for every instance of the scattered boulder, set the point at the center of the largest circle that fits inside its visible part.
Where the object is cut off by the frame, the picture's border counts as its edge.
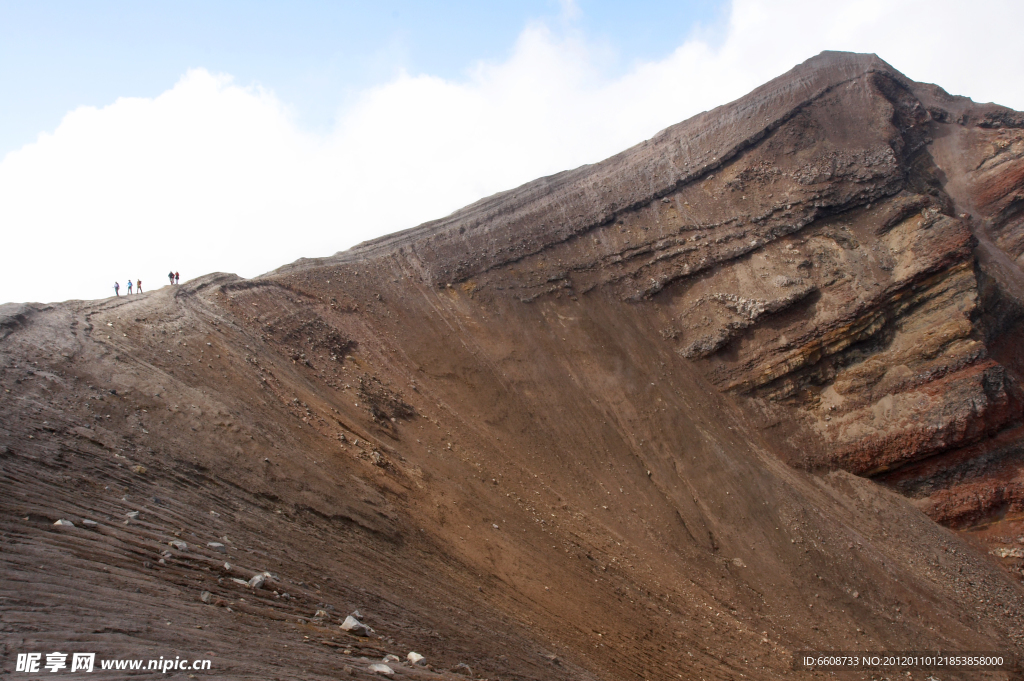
(391, 658)
(462, 668)
(379, 668)
(258, 580)
(321, 615)
(217, 546)
(416, 658)
(90, 523)
(354, 626)
(178, 544)
(132, 515)
(64, 523)
(206, 597)
(139, 469)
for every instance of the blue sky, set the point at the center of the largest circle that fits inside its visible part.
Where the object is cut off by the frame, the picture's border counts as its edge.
(316, 56)
(138, 137)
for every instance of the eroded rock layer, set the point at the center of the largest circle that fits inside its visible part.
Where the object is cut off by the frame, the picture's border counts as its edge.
(843, 247)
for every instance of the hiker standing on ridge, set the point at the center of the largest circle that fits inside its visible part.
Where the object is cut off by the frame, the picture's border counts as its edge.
(170, 275)
(138, 286)
(177, 278)
(117, 287)
(129, 287)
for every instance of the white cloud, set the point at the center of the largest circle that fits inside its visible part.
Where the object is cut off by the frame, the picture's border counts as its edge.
(570, 9)
(214, 176)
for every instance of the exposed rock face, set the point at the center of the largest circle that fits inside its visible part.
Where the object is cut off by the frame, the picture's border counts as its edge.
(557, 420)
(815, 245)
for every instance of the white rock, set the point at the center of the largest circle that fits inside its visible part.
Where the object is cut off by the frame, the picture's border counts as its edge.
(178, 544)
(379, 668)
(90, 523)
(217, 546)
(354, 626)
(64, 523)
(132, 515)
(258, 581)
(391, 658)
(416, 658)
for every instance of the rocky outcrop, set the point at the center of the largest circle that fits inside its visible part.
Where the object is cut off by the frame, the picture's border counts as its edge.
(842, 248)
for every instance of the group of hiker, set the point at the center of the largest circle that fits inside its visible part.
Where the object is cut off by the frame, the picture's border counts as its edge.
(174, 277)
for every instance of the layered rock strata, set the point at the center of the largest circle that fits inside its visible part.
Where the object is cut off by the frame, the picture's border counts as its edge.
(842, 247)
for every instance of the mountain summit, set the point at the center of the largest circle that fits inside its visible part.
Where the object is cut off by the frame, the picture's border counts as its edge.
(749, 388)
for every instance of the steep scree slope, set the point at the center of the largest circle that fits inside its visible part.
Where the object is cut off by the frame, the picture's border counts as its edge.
(616, 423)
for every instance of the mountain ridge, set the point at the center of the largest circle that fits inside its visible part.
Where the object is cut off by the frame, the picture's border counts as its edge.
(610, 430)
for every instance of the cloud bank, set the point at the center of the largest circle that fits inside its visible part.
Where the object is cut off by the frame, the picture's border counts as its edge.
(215, 176)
